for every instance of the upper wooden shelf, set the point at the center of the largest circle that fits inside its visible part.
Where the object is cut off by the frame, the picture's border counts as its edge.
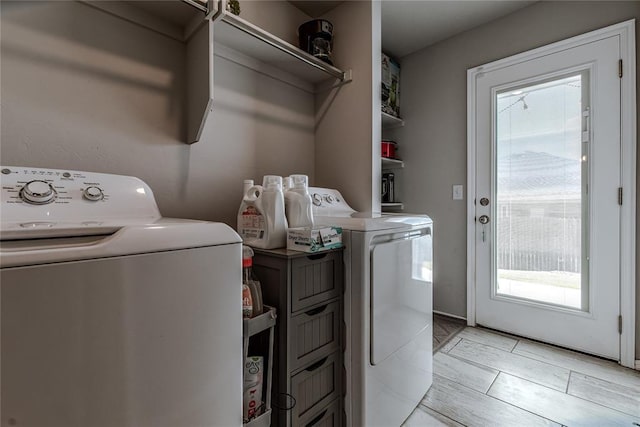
(240, 35)
(388, 163)
(200, 23)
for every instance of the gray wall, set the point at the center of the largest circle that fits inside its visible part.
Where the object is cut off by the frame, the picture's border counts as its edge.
(346, 135)
(85, 90)
(433, 102)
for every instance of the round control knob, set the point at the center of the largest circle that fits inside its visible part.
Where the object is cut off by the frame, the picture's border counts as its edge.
(93, 194)
(330, 198)
(317, 199)
(38, 192)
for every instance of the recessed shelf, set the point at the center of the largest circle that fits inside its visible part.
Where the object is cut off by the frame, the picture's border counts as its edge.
(392, 206)
(240, 35)
(390, 122)
(388, 163)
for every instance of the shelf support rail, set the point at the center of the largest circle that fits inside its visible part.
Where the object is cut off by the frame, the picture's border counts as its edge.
(198, 5)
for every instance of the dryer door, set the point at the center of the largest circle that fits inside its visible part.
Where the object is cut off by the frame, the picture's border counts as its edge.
(401, 290)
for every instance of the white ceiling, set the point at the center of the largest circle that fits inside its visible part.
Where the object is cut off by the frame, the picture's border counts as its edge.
(408, 26)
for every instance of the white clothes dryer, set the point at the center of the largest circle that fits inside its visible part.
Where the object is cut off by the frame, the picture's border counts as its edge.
(388, 309)
(110, 314)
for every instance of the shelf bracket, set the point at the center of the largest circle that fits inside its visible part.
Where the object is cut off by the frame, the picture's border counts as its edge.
(216, 9)
(347, 77)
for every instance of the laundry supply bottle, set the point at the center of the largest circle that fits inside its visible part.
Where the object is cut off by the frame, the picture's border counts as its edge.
(298, 203)
(247, 295)
(250, 282)
(251, 222)
(261, 219)
(272, 202)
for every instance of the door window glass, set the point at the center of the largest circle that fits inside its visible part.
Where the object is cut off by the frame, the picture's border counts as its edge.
(541, 192)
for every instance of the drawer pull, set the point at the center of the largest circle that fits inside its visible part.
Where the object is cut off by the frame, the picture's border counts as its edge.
(317, 419)
(316, 256)
(316, 310)
(317, 364)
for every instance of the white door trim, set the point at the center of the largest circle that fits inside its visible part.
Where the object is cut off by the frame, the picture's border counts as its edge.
(626, 32)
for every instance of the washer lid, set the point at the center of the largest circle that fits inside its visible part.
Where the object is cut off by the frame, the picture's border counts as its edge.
(360, 221)
(330, 208)
(166, 234)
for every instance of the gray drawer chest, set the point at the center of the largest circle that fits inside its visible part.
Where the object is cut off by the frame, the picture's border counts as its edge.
(307, 291)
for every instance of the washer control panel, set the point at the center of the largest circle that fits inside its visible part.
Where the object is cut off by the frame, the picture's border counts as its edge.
(50, 199)
(45, 186)
(327, 201)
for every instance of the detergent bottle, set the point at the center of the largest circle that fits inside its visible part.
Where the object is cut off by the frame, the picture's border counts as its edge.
(261, 219)
(251, 223)
(298, 203)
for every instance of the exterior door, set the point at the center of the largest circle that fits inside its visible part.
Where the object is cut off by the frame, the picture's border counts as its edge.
(547, 213)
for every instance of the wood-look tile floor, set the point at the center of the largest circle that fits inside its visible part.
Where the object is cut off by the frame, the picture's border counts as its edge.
(485, 378)
(444, 328)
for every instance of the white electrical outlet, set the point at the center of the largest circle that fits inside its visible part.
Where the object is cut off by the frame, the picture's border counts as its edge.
(458, 192)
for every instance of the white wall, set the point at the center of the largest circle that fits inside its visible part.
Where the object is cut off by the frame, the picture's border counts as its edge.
(433, 102)
(85, 90)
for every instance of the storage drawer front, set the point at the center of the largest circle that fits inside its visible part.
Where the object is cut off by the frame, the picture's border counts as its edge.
(313, 334)
(327, 417)
(315, 387)
(315, 279)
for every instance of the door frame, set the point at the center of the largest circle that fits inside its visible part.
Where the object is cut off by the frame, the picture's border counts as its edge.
(626, 31)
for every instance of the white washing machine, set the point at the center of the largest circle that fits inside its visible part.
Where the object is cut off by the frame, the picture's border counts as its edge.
(110, 314)
(388, 309)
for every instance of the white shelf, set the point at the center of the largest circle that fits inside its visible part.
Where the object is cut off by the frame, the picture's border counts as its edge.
(242, 36)
(388, 163)
(390, 122)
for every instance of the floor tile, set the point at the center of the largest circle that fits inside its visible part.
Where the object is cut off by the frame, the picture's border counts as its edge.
(622, 398)
(578, 362)
(447, 325)
(554, 405)
(444, 328)
(450, 344)
(472, 408)
(475, 377)
(425, 417)
(530, 369)
(486, 337)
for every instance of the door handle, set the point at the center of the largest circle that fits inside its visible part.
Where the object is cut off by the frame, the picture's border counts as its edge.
(484, 220)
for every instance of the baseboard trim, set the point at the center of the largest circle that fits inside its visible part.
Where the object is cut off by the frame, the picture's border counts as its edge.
(637, 365)
(461, 318)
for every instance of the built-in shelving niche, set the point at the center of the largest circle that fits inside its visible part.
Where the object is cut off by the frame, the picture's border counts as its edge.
(208, 29)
